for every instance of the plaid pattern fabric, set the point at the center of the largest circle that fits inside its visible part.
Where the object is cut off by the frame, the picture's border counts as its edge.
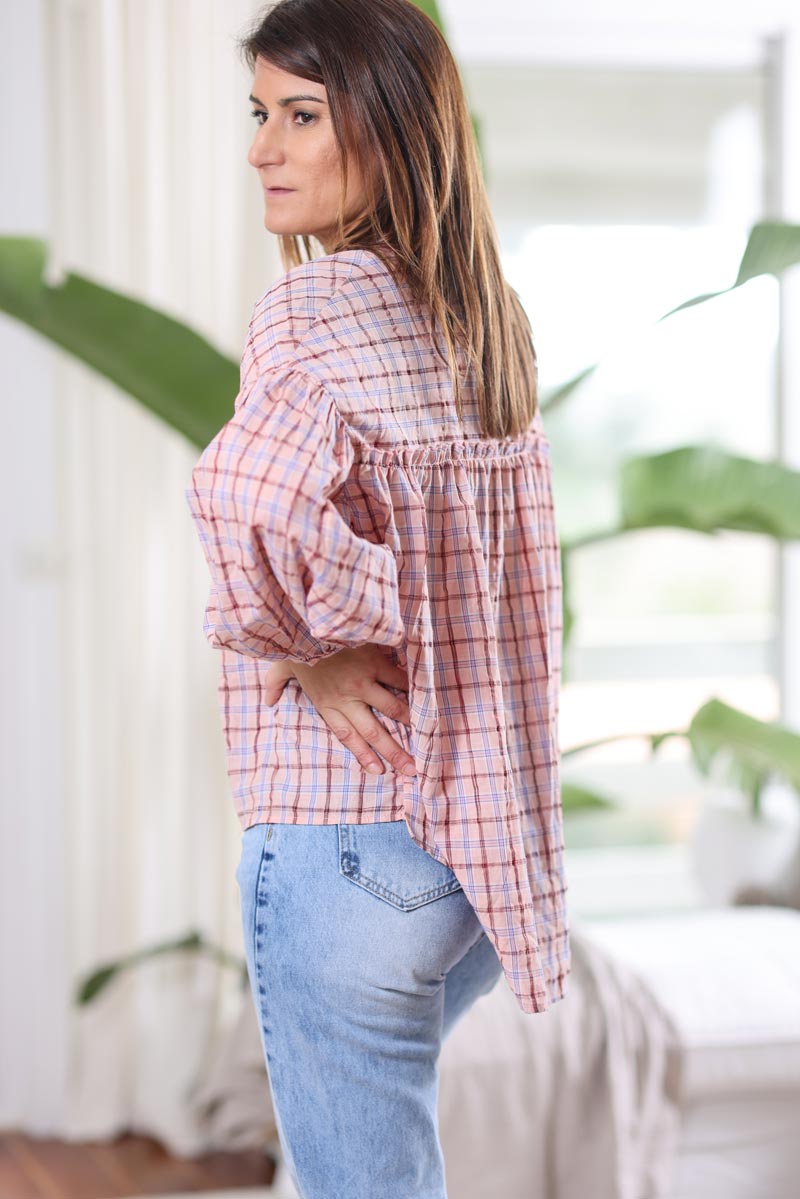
(345, 503)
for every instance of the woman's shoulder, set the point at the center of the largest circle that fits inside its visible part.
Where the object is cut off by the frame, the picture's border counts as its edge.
(316, 306)
(304, 289)
(300, 299)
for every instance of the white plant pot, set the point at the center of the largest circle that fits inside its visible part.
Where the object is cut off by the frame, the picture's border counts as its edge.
(730, 848)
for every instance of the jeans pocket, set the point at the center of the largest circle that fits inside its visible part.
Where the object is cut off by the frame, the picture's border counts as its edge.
(383, 858)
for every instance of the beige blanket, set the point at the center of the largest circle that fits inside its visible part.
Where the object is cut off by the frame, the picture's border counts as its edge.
(579, 1101)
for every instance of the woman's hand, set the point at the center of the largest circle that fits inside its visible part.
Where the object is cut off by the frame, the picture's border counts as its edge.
(344, 688)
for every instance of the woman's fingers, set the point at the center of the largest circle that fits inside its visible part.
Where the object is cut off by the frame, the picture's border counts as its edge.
(362, 734)
(391, 705)
(391, 675)
(378, 738)
(347, 689)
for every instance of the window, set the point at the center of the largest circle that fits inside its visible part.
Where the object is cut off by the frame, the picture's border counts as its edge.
(619, 194)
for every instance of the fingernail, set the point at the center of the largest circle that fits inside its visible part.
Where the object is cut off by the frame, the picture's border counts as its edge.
(409, 768)
(374, 768)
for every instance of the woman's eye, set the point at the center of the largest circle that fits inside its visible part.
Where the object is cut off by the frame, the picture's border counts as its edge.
(257, 113)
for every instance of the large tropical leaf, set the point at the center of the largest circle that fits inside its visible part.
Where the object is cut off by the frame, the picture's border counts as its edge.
(168, 367)
(722, 739)
(772, 247)
(750, 750)
(577, 798)
(707, 489)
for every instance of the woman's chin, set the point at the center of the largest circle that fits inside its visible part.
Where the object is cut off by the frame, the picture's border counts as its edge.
(287, 228)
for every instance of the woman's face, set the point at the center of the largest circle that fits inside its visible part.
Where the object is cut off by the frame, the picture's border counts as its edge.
(294, 150)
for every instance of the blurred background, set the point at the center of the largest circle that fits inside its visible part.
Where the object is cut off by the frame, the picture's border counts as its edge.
(629, 152)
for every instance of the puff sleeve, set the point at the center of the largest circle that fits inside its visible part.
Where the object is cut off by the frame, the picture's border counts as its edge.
(290, 578)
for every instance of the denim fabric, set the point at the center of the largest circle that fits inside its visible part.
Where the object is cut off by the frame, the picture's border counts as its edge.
(362, 951)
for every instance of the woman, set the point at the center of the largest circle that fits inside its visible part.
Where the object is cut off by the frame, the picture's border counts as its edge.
(378, 519)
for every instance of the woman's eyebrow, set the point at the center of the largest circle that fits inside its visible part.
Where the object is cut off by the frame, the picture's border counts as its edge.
(288, 100)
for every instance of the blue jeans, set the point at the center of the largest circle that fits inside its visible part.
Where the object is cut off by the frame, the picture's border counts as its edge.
(362, 952)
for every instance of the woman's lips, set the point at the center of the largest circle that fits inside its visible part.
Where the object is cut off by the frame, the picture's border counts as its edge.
(278, 191)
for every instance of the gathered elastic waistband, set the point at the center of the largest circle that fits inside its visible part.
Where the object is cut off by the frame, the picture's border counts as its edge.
(435, 452)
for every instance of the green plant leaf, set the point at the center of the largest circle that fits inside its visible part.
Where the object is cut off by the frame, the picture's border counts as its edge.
(771, 248)
(165, 365)
(431, 9)
(705, 489)
(708, 489)
(576, 798)
(192, 942)
(96, 982)
(745, 750)
(655, 739)
(567, 612)
(750, 750)
(557, 395)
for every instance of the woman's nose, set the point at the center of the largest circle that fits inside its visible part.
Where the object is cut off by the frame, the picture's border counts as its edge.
(265, 148)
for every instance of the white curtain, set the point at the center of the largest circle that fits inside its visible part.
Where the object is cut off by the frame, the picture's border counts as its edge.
(129, 837)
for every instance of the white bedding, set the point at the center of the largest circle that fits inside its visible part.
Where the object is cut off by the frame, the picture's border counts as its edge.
(670, 1071)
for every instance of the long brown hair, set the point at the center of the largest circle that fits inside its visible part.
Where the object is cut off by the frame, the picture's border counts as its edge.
(399, 111)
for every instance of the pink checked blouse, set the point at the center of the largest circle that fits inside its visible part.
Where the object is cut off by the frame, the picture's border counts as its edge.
(345, 503)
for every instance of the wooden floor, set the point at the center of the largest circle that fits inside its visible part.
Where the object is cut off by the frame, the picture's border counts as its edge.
(32, 1168)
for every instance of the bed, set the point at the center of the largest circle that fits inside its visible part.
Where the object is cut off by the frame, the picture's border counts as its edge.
(670, 1071)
